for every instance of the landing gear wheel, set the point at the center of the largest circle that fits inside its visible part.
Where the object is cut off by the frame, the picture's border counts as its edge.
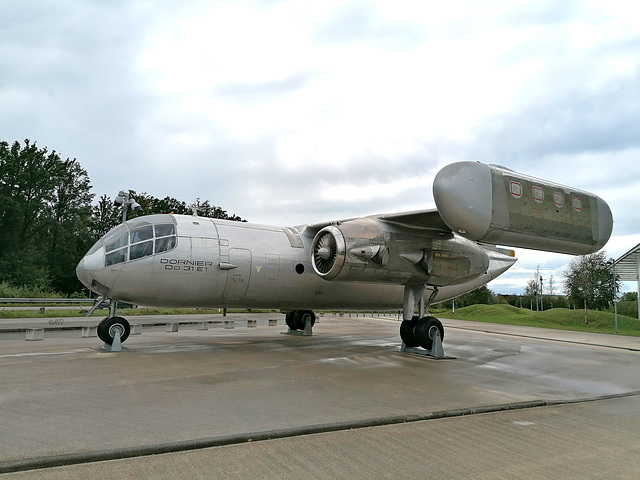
(425, 331)
(297, 318)
(108, 327)
(407, 335)
(290, 321)
(301, 316)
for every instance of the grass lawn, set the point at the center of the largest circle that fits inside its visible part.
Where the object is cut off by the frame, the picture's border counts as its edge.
(559, 318)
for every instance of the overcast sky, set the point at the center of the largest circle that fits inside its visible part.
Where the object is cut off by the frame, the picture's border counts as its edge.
(288, 112)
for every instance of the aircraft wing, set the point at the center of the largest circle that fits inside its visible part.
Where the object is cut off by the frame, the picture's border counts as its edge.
(425, 219)
(422, 219)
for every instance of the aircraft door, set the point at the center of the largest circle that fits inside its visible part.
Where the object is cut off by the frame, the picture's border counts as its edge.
(238, 278)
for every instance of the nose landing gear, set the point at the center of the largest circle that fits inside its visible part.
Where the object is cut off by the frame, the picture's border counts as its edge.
(113, 331)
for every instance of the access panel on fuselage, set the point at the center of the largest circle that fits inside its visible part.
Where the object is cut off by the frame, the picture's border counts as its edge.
(238, 277)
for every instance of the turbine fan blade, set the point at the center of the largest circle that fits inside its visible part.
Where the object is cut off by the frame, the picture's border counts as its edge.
(325, 253)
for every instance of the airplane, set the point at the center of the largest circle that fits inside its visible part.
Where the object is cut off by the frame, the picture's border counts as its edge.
(405, 260)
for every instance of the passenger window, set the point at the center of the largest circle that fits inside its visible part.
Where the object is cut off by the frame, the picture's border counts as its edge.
(140, 234)
(120, 242)
(140, 250)
(116, 257)
(164, 244)
(163, 230)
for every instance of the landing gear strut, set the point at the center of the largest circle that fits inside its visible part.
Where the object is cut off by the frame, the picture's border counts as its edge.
(422, 331)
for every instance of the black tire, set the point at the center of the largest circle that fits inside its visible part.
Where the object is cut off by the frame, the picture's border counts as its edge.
(407, 328)
(425, 331)
(107, 329)
(289, 318)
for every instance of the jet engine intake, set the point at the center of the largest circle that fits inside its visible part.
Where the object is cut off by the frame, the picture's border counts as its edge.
(360, 244)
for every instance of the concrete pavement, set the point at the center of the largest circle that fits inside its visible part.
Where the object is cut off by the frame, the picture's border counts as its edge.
(64, 397)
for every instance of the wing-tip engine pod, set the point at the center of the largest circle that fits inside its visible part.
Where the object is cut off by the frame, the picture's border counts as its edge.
(492, 204)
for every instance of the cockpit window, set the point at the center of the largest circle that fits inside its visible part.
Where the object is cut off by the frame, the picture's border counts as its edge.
(165, 244)
(140, 250)
(120, 242)
(122, 245)
(140, 234)
(118, 256)
(164, 230)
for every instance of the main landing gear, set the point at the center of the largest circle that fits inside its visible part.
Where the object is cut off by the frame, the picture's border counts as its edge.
(300, 322)
(420, 334)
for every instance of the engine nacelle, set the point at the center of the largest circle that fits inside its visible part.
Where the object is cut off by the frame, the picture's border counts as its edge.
(350, 248)
(499, 206)
(363, 250)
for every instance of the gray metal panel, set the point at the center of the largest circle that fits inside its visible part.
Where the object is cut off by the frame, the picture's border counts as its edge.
(626, 265)
(429, 219)
(238, 278)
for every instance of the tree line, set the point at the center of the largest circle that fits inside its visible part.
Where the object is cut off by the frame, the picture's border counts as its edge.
(48, 221)
(589, 283)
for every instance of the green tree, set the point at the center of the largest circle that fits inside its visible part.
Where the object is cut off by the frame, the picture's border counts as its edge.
(629, 297)
(481, 295)
(532, 291)
(589, 282)
(152, 205)
(68, 235)
(532, 288)
(104, 216)
(44, 207)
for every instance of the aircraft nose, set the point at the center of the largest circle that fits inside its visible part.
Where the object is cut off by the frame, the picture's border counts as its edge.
(89, 266)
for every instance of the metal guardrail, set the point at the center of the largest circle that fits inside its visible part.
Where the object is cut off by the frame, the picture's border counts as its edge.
(47, 300)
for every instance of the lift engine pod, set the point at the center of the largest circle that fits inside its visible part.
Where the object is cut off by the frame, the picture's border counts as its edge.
(496, 205)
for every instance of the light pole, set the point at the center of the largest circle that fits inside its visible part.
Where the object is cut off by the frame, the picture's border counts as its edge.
(541, 295)
(124, 199)
(612, 262)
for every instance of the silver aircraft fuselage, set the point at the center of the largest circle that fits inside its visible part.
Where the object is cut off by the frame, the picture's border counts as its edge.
(190, 261)
(375, 262)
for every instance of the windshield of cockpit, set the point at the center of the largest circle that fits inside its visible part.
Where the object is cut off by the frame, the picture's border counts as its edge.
(138, 238)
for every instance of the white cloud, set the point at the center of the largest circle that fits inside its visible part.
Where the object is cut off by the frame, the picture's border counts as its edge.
(294, 111)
